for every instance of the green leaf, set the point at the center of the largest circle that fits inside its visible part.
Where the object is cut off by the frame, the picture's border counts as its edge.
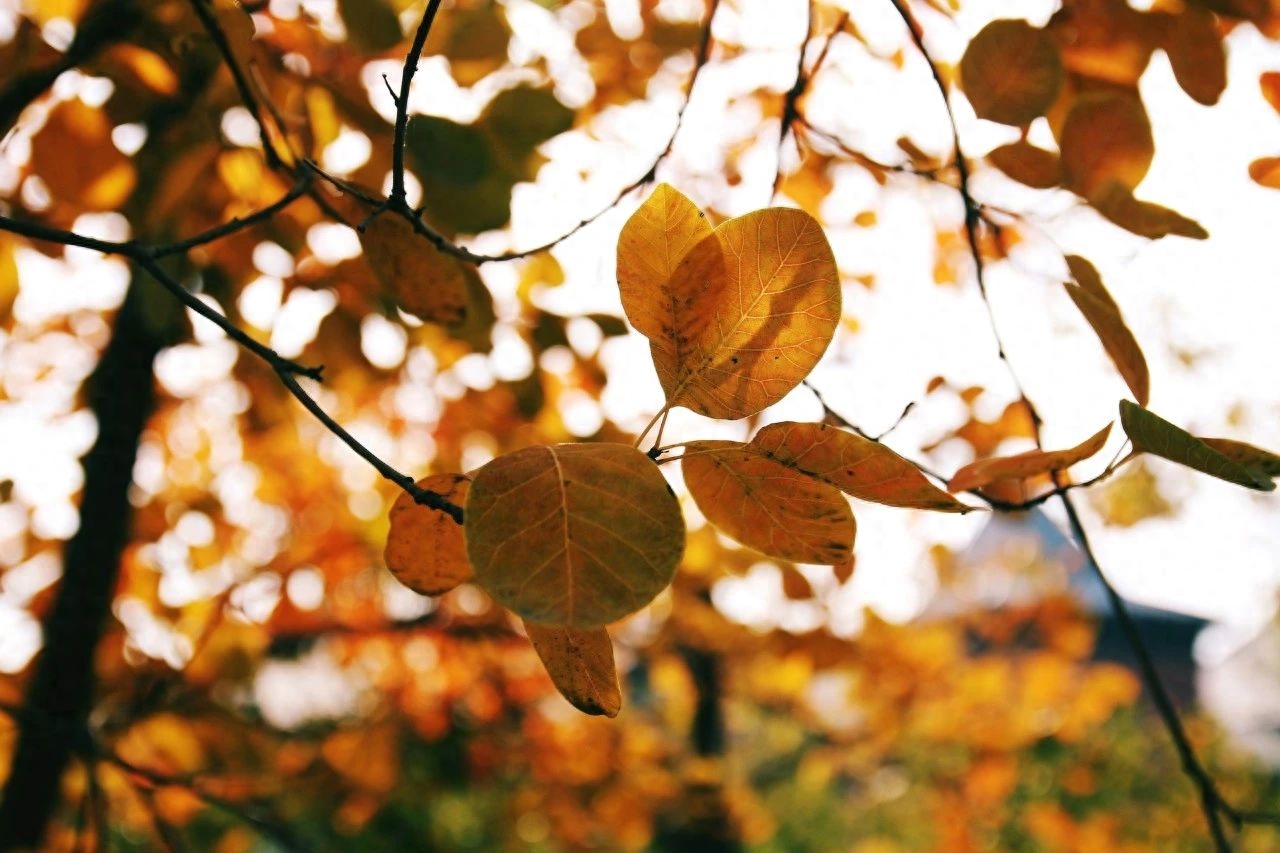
(372, 24)
(1258, 460)
(573, 535)
(1152, 434)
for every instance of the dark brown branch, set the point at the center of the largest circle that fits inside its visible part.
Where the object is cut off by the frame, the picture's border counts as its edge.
(397, 198)
(238, 223)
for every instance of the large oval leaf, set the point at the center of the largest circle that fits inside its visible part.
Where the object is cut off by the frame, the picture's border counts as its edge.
(573, 535)
(1151, 433)
(421, 279)
(581, 666)
(1103, 316)
(426, 550)
(857, 466)
(1106, 139)
(1011, 72)
(771, 316)
(768, 506)
(1023, 465)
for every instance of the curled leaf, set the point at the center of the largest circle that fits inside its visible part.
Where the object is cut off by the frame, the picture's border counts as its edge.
(425, 549)
(581, 666)
(573, 535)
(767, 505)
(857, 466)
(1152, 434)
(1023, 465)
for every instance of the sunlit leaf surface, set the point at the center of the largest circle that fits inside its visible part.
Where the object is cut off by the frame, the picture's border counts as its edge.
(1024, 465)
(425, 547)
(581, 666)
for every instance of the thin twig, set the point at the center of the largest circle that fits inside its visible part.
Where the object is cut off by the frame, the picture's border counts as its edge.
(397, 199)
(239, 223)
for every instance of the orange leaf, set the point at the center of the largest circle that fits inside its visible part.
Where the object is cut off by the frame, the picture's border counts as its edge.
(422, 280)
(857, 466)
(767, 505)
(1086, 275)
(1103, 316)
(1106, 139)
(1143, 218)
(573, 535)
(1024, 465)
(1011, 72)
(1197, 55)
(1270, 85)
(1027, 164)
(75, 157)
(1266, 171)
(768, 283)
(581, 666)
(426, 550)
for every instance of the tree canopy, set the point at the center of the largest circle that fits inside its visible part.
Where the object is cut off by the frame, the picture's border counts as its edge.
(434, 363)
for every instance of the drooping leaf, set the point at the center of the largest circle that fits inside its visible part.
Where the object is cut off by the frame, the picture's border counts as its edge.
(1197, 55)
(1086, 275)
(371, 24)
(1152, 434)
(1104, 317)
(581, 666)
(1258, 460)
(771, 318)
(651, 245)
(421, 279)
(1106, 139)
(1024, 465)
(1027, 164)
(1011, 72)
(767, 505)
(426, 550)
(857, 466)
(1265, 171)
(573, 535)
(1143, 218)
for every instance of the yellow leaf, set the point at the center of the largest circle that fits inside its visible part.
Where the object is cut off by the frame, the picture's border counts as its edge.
(1151, 433)
(1027, 164)
(1011, 72)
(573, 535)
(581, 666)
(426, 550)
(74, 155)
(1106, 139)
(857, 466)
(651, 245)
(1104, 317)
(768, 506)
(770, 320)
(1023, 465)
(422, 280)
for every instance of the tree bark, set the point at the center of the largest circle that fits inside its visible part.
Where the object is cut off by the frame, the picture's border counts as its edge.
(54, 716)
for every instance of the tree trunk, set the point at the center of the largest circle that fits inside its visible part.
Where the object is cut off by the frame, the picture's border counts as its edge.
(54, 717)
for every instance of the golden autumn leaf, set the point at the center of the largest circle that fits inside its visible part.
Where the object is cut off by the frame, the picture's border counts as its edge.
(1117, 204)
(581, 666)
(422, 280)
(1197, 54)
(1011, 72)
(1257, 459)
(855, 465)
(670, 312)
(1024, 465)
(767, 505)
(1152, 434)
(74, 155)
(573, 535)
(1027, 164)
(771, 315)
(1106, 139)
(1104, 317)
(426, 550)
(1265, 171)
(1269, 82)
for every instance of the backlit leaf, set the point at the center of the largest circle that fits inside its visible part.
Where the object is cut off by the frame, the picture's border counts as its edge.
(74, 155)
(573, 535)
(1086, 275)
(1256, 459)
(1197, 55)
(581, 666)
(1011, 72)
(1266, 172)
(650, 247)
(771, 319)
(1143, 218)
(371, 24)
(1106, 139)
(1151, 433)
(1104, 317)
(857, 466)
(767, 505)
(421, 279)
(1027, 164)
(1023, 465)
(426, 550)
(1269, 82)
